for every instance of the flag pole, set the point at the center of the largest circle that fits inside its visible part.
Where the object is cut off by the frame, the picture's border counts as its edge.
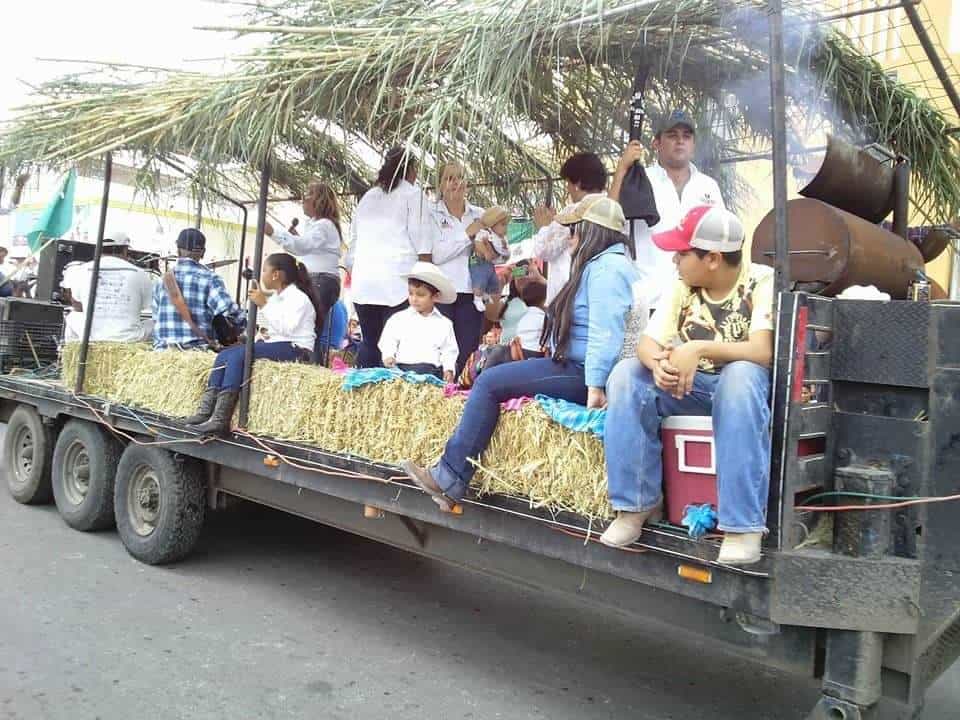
(95, 278)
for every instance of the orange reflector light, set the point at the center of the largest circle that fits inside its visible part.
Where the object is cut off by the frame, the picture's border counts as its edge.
(271, 461)
(697, 574)
(457, 509)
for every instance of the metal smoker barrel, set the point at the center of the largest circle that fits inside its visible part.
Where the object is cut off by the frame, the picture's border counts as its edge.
(836, 249)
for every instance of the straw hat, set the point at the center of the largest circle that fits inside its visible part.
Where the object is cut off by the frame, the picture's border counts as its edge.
(598, 209)
(492, 215)
(432, 275)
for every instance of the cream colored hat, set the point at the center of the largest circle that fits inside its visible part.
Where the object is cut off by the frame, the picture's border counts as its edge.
(492, 215)
(432, 275)
(598, 209)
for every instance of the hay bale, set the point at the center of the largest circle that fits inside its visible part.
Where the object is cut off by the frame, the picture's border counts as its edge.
(529, 456)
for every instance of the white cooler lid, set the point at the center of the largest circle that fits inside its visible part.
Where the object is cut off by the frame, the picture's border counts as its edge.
(687, 422)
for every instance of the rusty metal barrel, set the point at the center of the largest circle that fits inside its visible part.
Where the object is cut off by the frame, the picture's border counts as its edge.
(837, 249)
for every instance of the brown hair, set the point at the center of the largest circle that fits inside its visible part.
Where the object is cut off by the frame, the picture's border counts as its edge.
(326, 203)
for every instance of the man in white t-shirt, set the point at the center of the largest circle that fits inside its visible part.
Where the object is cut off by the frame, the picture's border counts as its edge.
(124, 291)
(678, 187)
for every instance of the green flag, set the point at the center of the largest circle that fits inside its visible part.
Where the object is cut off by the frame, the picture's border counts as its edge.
(57, 218)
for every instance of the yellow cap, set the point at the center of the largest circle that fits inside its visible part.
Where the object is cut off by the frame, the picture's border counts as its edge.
(492, 215)
(597, 209)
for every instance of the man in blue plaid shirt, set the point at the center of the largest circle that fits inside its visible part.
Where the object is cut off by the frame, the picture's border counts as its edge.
(203, 291)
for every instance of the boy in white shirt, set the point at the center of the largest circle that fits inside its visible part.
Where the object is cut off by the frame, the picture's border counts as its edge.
(483, 276)
(419, 338)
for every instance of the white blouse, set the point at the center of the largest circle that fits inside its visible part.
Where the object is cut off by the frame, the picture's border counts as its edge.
(388, 232)
(451, 246)
(289, 316)
(317, 246)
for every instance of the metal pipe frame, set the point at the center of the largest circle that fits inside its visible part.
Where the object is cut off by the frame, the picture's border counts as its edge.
(91, 298)
(252, 307)
(931, 52)
(778, 105)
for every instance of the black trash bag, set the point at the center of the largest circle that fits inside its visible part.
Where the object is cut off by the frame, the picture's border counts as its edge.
(636, 193)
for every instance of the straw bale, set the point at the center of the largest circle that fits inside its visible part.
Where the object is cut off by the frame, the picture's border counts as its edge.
(530, 456)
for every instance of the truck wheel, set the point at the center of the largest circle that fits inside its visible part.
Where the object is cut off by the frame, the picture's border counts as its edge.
(27, 452)
(159, 503)
(84, 466)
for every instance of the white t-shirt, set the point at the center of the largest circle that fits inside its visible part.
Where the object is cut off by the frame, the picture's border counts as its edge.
(657, 271)
(389, 230)
(411, 338)
(451, 246)
(530, 328)
(123, 292)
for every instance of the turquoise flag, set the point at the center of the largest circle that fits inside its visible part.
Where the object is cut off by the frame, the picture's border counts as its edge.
(57, 218)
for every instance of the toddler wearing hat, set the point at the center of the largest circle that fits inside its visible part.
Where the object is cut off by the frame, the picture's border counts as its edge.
(483, 276)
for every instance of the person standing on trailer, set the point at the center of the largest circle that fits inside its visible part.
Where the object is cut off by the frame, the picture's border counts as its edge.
(287, 320)
(584, 174)
(124, 292)
(318, 247)
(707, 351)
(390, 231)
(191, 299)
(457, 224)
(677, 188)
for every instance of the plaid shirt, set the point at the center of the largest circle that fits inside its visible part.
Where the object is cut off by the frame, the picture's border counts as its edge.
(206, 296)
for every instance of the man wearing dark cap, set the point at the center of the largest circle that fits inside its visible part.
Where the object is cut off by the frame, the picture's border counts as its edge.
(204, 295)
(677, 187)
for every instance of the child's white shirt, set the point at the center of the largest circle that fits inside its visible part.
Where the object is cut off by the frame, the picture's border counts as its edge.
(498, 243)
(411, 338)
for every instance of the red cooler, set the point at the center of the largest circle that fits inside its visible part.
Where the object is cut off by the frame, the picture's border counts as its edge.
(689, 464)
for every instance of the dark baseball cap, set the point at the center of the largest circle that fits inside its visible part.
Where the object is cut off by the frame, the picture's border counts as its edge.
(678, 118)
(191, 239)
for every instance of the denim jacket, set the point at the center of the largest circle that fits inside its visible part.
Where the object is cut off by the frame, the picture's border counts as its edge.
(599, 314)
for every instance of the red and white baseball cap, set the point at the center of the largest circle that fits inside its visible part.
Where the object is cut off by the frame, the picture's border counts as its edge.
(706, 227)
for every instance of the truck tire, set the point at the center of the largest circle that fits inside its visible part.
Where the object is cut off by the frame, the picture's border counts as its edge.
(84, 467)
(27, 455)
(159, 503)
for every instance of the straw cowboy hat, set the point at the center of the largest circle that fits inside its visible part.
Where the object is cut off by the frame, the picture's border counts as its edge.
(432, 275)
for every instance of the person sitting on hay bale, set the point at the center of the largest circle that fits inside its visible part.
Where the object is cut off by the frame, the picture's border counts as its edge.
(707, 350)
(421, 339)
(191, 307)
(584, 329)
(288, 325)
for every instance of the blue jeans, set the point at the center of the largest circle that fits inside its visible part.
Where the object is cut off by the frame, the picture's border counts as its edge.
(467, 326)
(227, 371)
(483, 276)
(482, 411)
(738, 400)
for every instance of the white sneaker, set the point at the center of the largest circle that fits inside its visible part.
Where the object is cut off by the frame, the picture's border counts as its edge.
(740, 548)
(478, 303)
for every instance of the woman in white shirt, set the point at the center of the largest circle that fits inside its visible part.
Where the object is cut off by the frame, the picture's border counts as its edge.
(287, 321)
(390, 231)
(458, 223)
(317, 245)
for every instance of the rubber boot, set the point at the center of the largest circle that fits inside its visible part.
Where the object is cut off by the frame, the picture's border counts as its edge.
(207, 402)
(219, 422)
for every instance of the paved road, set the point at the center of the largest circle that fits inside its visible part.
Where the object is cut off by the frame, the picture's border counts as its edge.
(276, 617)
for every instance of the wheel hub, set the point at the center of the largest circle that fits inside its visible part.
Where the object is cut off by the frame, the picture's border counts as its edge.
(143, 501)
(23, 450)
(76, 473)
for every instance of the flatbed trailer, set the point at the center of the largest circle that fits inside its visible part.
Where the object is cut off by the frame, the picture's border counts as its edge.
(874, 611)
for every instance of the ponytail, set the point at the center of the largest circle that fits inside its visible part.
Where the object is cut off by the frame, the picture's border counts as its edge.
(295, 273)
(397, 164)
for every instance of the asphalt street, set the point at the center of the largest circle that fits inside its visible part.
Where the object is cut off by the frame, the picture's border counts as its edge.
(277, 617)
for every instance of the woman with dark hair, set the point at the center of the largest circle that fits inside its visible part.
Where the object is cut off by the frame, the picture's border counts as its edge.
(584, 330)
(390, 231)
(288, 326)
(317, 244)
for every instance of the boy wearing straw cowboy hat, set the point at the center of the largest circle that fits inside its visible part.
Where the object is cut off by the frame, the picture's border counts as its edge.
(419, 338)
